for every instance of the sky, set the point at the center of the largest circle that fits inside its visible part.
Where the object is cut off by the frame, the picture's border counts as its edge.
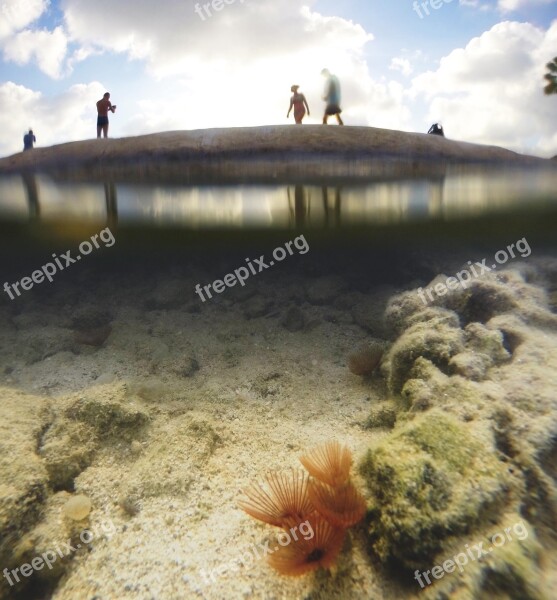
(476, 66)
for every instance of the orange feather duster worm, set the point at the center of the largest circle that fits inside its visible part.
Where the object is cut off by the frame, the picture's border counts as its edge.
(285, 497)
(329, 463)
(342, 506)
(307, 554)
(328, 504)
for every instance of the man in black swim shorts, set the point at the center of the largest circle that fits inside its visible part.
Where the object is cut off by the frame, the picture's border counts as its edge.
(103, 106)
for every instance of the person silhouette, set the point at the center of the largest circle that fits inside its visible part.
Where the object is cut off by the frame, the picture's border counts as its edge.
(436, 129)
(103, 106)
(28, 140)
(332, 97)
(299, 103)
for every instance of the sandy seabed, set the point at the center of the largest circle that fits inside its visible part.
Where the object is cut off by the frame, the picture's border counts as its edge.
(160, 408)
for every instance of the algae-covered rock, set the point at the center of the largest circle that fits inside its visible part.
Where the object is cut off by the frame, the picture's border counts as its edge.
(384, 415)
(108, 410)
(485, 299)
(432, 478)
(471, 365)
(437, 338)
(425, 385)
(24, 478)
(428, 387)
(474, 437)
(24, 481)
(51, 534)
(485, 348)
(434, 313)
(67, 448)
(506, 565)
(487, 342)
(435, 334)
(55, 542)
(495, 294)
(81, 424)
(400, 308)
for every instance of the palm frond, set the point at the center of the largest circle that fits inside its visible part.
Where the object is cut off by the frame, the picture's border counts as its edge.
(551, 78)
(552, 66)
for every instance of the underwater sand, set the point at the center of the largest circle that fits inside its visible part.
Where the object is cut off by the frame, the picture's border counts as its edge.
(185, 403)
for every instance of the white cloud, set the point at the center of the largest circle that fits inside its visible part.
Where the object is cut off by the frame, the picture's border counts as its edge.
(506, 6)
(491, 91)
(401, 64)
(17, 14)
(22, 44)
(475, 4)
(175, 41)
(47, 48)
(56, 119)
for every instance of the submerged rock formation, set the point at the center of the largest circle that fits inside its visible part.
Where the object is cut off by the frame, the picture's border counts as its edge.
(475, 441)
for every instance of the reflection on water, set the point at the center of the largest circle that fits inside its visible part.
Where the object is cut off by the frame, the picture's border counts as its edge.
(460, 194)
(30, 185)
(305, 207)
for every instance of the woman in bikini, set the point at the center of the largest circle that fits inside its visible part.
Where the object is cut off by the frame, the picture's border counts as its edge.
(299, 103)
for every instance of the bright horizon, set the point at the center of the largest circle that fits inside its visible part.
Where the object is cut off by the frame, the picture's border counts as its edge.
(475, 66)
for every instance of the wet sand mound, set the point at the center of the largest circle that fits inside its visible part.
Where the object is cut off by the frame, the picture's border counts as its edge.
(263, 153)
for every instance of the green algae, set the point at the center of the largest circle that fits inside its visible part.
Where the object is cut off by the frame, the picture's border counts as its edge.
(382, 416)
(431, 479)
(436, 339)
(511, 570)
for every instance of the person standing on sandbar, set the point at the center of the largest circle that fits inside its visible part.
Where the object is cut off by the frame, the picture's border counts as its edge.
(28, 140)
(103, 106)
(299, 103)
(331, 97)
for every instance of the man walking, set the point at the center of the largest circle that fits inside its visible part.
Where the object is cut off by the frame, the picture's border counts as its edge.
(28, 140)
(103, 106)
(331, 97)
